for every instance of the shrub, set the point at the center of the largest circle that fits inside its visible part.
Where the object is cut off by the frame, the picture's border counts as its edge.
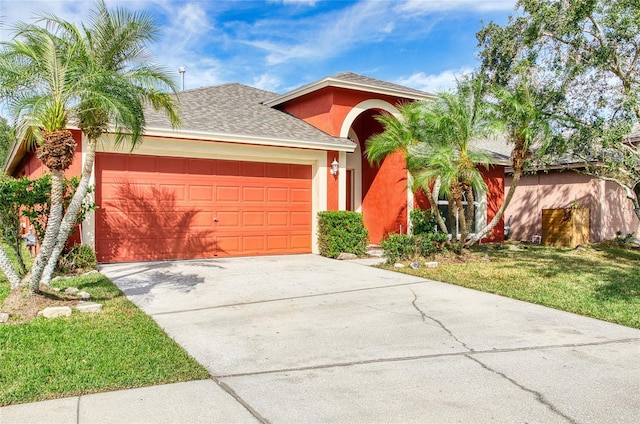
(423, 221)
(341, 231)
(80, 258)
(623, 241)
(403, 247)
(398, 247)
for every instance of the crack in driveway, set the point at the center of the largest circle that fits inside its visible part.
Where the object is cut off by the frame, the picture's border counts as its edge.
(540, 398)
(426, 317)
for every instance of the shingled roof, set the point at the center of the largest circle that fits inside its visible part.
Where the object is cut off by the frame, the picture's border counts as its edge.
(236, 109)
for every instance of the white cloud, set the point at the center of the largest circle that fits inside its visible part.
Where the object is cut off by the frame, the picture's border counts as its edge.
(433, 83)
(267, 82)
(433, 6)
(295, 2)
(324, 36)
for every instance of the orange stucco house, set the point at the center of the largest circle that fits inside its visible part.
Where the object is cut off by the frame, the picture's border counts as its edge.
(248, 171)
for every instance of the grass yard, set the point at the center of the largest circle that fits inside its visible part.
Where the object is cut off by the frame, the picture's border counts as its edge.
(599, 282)
(118, 348)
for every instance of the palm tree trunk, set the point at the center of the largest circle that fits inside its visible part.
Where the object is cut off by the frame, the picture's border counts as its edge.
(433, 202)
(517, 173)
(51, 233)
(471, 207)
(69, 220)
(9, 271)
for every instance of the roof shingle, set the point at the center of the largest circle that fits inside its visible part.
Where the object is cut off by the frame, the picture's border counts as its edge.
(238, 109)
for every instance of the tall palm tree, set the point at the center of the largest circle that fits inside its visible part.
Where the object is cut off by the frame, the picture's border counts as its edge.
(40, 82)
(518, 113)
(453, 122)
(437, 138)
(113, 49)
(404, 135)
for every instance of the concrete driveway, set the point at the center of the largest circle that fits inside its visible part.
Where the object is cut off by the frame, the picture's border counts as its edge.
(301, 339)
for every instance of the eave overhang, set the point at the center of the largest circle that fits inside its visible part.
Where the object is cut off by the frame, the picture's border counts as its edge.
(333, 82)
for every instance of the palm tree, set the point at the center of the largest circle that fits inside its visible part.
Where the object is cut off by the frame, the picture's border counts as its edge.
(453, 122)
(437, 138)
(518, 113)
(112, 48)
(40, 81)
(404, 135)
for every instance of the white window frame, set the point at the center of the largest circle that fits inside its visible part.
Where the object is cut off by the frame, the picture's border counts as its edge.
(480, 212)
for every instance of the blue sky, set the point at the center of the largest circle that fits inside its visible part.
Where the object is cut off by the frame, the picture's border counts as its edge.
(279, 45)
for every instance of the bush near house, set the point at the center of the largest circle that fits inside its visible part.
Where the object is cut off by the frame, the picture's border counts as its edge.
(341, 231)
(423, 222)
(404, 247)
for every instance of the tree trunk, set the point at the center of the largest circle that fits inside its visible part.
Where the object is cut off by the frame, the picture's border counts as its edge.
(432, 197)
(9, 271)
(517, 173)
(69, 220)
(51, 233)
(471, 207)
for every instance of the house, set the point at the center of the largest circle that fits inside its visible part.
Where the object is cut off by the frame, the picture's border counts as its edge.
(563, 187)
(248, 171)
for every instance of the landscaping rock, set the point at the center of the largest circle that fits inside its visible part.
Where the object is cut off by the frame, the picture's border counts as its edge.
(71, 290)
(514, 247)
(55, 311)
(398, 265)
(431, 264)
(95, 271)
(4, 317)
(414, 265)
(83, 295)
(88, 307)
(346, 256)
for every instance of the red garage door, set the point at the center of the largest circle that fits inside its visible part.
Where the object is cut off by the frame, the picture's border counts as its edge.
(153, 208)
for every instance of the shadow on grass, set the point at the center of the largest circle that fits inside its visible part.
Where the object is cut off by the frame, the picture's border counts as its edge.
(613, 272)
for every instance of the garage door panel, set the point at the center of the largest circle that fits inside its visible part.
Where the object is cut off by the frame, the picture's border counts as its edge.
(278, 218)
(277, 194)
(300, 219)
(277, 243)
(253, 243)
(200, 193)
(253, 194)
(228, 219)
(172, 192)
(200, 166)
(300, 242)
(251, 169)
(300, 195)
(165, 208)
(228, 194)
(253, 219)
(172, 165)
(227, 167)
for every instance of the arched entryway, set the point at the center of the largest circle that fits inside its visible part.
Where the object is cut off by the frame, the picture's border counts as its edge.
(379, 192)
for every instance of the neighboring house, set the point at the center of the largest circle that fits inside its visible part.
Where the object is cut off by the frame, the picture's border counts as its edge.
(248, 171)
(563, 187)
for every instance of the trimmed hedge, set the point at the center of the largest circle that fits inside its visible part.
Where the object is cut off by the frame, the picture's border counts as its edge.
(341, 231)
(403, 247)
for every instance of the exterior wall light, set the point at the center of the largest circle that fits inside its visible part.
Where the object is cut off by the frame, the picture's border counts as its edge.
(334, 167)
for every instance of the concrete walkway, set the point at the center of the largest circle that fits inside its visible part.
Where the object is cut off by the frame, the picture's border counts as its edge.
(304, 339)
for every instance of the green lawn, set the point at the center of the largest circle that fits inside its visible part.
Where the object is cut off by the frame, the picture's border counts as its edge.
(120, 347)
(602, 283)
